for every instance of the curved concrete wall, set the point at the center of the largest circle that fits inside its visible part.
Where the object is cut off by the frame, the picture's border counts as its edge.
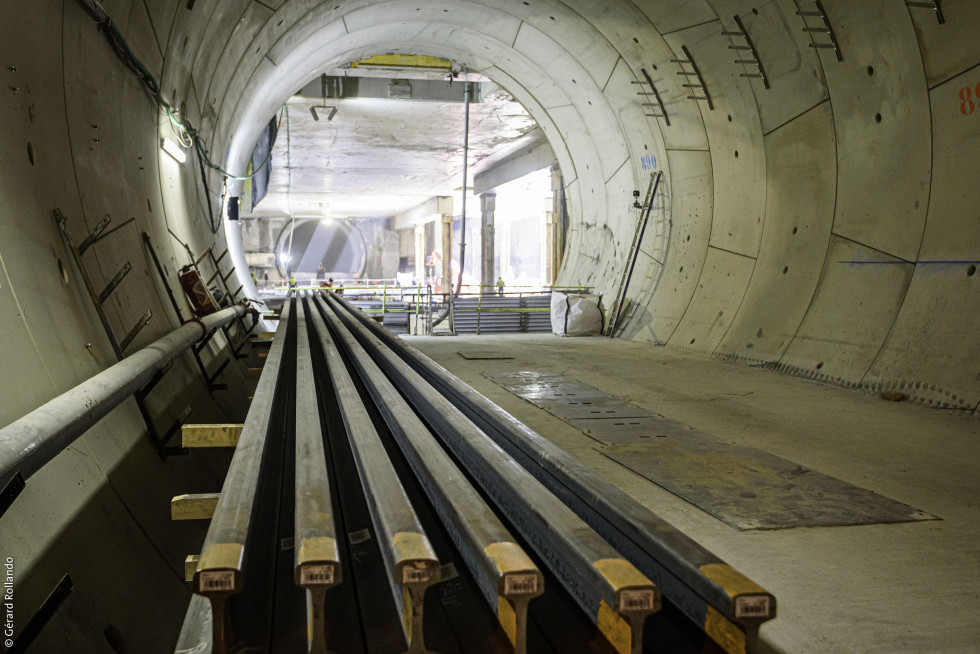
(767, 202)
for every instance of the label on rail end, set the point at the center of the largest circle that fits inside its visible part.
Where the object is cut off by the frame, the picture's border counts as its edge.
(637, 600)
(216, 581)
(520, 584)
(316, 575)
(753, 606)
(412, 575)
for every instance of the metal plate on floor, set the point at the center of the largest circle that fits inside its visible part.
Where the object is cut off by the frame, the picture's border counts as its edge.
(520, 377)
(480, 355)
(628, 430)
(558, 393)
(608, 407)
(751, 489)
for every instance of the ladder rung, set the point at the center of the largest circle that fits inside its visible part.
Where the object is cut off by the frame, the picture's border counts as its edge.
(681, 61)
(111, 286)
(823, 45)
(693, 86)
(809, 13)
(815, 29)
(136, 329)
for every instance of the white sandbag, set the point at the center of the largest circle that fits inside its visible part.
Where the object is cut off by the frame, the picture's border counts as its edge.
(576, 314)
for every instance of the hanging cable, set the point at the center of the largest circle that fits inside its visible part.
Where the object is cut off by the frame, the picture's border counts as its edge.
(466, 151)
(188, 135)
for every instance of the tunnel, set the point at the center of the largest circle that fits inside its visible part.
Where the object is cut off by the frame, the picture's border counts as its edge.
(813, 221)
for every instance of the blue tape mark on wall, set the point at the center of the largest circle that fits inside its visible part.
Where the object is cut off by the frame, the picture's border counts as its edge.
(649, 162)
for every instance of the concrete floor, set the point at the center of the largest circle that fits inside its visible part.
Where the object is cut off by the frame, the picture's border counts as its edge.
(910, 587)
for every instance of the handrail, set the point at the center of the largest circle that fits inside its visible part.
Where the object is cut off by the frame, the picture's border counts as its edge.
(27, 444)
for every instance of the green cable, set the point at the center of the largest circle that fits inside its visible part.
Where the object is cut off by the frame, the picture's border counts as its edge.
(183, 126)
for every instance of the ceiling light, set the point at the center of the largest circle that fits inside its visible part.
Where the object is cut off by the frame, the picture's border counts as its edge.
(173, 150)
(333, 112)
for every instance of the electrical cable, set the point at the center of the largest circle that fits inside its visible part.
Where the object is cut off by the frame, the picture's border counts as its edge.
(186, 132)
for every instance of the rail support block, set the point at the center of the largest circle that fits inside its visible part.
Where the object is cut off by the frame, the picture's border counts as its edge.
(210, 435)
(193, 507)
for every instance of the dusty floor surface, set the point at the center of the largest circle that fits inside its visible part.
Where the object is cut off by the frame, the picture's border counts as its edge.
(909, 587)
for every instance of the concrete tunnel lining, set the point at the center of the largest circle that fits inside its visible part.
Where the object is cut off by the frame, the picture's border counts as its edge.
(562, 89)
(594, 187)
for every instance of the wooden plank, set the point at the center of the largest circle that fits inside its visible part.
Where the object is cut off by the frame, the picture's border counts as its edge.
(254, 373)
(190, 566)
(199, 506)
(268, 335)
(210, 435)
(263, 354)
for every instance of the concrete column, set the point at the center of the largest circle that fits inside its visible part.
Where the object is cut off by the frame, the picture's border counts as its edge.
(558, 233)
(488, 203)
(420, 253)
(548, 260)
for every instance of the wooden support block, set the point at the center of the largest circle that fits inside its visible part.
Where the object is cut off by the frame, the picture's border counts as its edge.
(198, 506)
(254, 373)
(266, 334)
(263, 343)
(210, 435)
(263, 354)
(190, 566)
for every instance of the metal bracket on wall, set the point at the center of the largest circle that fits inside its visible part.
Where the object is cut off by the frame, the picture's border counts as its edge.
(656, 94)
(826, 28)
(696, 73)
(209, 378)
(98, 299)
(44, 614)
(935, 5)
(10, 492)
(634, 251)
(750, 47)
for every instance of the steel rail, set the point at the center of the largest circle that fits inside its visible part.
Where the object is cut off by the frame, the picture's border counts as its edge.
(220, 570)
(613, 593)
(29, 443)
(316, 555)
(409, 557)
(728, 606)
(505, 574)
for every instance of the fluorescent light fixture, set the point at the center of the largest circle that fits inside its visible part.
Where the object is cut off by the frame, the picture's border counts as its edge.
(173, 150)
(316, 116)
